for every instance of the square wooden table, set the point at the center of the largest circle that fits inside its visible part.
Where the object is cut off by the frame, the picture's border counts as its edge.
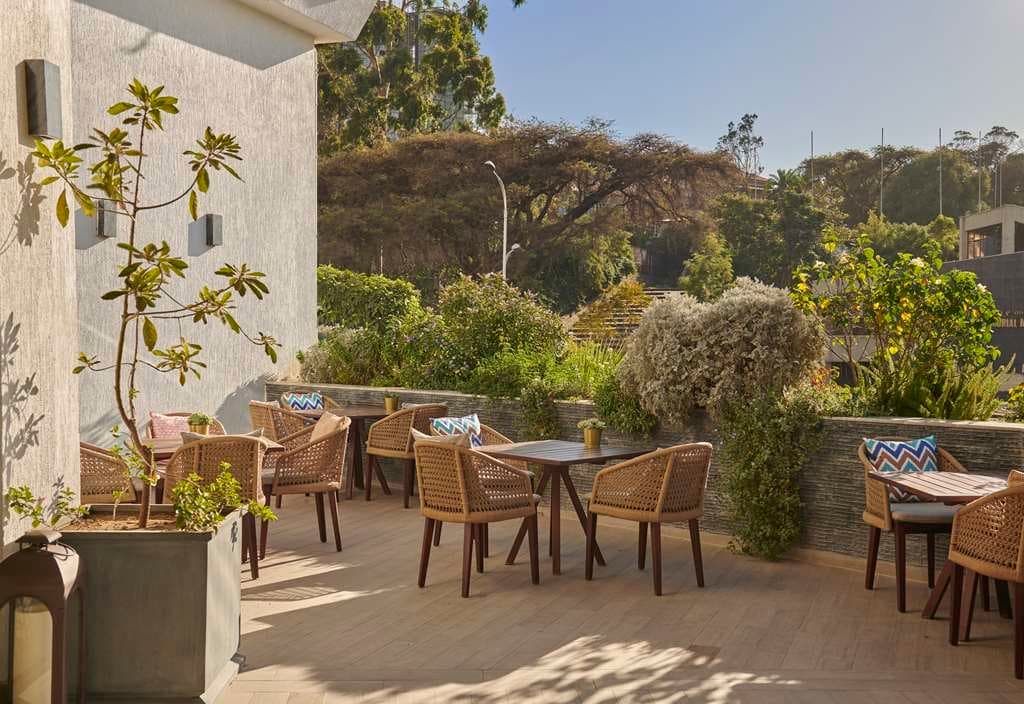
(359, 414)
(555, 457)
(954, 489)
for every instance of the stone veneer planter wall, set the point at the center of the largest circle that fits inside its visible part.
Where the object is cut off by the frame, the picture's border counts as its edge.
(831, 485)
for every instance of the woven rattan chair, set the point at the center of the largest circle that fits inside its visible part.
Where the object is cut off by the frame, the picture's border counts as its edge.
(308, 466)
(903, 519)
(103, 473)
(391, 437)
(490, 436)
(664, 486)
(276, 422)
(216, 427)
(460, 485)
(1016, 477)
(988, 539)
(245, 456)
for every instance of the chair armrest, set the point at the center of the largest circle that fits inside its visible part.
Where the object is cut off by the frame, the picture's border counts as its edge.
(296, 439)
(492, 485)
(990, 532)
(948, 463)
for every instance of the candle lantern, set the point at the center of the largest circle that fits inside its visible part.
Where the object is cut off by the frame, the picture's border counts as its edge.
(36, 586)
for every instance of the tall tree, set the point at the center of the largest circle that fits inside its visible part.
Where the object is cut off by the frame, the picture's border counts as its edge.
(415, 67)
(744, 146)
(912, 195)
(855, 175)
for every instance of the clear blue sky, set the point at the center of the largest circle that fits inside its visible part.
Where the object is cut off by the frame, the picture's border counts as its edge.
(845, 69)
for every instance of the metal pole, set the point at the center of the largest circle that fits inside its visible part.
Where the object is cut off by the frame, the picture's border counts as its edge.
(504, 220)
(940, 171)
(812, 167)
(977, 151)
(881, 176)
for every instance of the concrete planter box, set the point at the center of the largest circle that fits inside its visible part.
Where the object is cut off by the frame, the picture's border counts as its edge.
(162, 611)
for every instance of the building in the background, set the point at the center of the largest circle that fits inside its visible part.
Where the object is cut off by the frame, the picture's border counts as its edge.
(996, 231)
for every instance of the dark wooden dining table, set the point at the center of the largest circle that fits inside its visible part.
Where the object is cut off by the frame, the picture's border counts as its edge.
(555, 457)
(359, 415)
(954, 489)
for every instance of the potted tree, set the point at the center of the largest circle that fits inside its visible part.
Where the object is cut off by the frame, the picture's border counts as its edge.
(178, 577)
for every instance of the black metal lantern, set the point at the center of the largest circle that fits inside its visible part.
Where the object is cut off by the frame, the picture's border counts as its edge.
(36, 584)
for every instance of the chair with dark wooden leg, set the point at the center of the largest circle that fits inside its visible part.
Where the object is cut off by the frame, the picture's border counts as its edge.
(664, 486)
(244, 458)
(310, 464)
(461, 485)
(988, 540)
(392, 437)
(885, 512)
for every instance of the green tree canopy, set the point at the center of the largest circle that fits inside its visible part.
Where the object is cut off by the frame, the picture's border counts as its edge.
(708, 273)
(854, 174)
(912, 194)
(890, 239)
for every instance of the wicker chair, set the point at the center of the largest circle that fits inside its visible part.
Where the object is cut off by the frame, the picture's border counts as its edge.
(664, 486)
(390, 437)
(988, 539)
(308, 466)
(276, 422)
(490, 436)
(903, 519)
(1015, 477)
(460, 485)
(216, 427)
(103, 473)
(245, 455)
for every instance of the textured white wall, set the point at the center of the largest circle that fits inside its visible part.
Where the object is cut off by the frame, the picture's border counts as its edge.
(236, 70)
(38, 323)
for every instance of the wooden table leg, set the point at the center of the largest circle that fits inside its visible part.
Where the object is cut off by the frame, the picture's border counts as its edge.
(581, 514)
(1003, 599)
(356, 435)
(941, 584)
(545, 477)
(556, 522)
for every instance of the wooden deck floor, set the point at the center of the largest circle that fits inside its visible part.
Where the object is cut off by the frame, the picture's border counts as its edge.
(321, 627)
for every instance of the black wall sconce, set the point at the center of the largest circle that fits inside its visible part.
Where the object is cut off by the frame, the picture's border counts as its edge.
(42, 98)
(106, 219)
(213, 227)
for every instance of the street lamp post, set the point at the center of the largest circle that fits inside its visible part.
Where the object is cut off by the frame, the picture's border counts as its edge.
(505, 251)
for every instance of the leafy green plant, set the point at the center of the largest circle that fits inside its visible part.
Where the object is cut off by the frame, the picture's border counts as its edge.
(507, 373)
(708, 272)
(354, 300)
(201, 506)
(583, 366)
(592, 423)
(26, 504)
(199, 419)
(1015, 403)
(148, 288)
(622, 410)
(951, 391)
(540, 415)
(625, 301)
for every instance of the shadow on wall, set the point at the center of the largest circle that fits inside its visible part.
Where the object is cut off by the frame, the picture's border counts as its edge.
(24, 226)
(234, 411)
(202, 23)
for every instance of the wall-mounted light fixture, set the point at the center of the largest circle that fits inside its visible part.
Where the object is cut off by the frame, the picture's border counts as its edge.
(213, 226)
(42, 98)
(106, 218)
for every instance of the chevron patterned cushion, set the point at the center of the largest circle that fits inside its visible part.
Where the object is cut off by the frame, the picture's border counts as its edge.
(459, 426)
(312, 401)
(919, 455)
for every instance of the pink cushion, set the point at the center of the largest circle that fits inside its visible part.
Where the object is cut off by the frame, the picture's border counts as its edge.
(167, 426)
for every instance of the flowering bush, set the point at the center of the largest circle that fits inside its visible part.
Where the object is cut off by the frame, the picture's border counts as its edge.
(687, 354)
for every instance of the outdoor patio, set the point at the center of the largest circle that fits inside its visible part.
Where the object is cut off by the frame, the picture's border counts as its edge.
(321, 627)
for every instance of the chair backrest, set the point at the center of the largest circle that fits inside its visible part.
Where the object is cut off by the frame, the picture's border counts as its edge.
(204, 457)
(393, 432)
(314, 462)
(988, 535)
(103, 473)
(216, 427)
(440, 477)
(276, 422)
(456, 481)
(1016, 477)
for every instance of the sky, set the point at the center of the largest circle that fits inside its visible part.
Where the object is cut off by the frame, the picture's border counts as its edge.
(845, 70)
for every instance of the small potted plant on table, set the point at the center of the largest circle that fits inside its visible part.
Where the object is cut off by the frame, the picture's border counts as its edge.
(390, 402)
(199, 423)
(591, 428)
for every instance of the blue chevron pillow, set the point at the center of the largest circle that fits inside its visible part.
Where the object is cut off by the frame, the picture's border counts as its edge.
(312, 401)
(460, 426)
(886, 456)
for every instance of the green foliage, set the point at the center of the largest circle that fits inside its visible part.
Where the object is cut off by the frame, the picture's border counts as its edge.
(354, 300)
(625, 302)
(507, 373)
(622, 409)
(26, 504)
(766, 437)
(912, 194)
(890, 239)
(1015, 404)
(951, 391)
(708, 273)
(583, 367)
(913, 316)
(201, 506)
(540, 415)
(592, 423)
(199, 419)
(687, 354)
(374, 87)
(148, 292)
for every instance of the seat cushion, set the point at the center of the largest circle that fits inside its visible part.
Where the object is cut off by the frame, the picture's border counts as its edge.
(923, 512)
(460, 425)
(311, 401)
(888, 456)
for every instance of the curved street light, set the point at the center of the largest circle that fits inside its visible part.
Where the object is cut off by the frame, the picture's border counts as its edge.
(505, 251)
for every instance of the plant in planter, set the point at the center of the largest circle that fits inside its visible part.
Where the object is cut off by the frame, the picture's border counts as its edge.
(24, 503)
(144, 297)
(592, 428)
(199, 423)
(201, 506)
(391, 402)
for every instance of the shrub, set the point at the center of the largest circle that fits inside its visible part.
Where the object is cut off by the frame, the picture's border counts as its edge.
(201, 506)
(1015, 404)
(620, 301)
(540, 416)
(583, 367)
(708, 273)
(507, 373)
(485, 316)
(687, 354)
(353, 300)
(621, 409)
(950, 391)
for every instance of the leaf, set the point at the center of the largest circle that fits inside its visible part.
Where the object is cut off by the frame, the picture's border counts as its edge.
(112, 295)
(87, 203)
(118, 108)
(203, 180)
(62, 209)
(46, 181)
(193, 206)
(149, 335)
